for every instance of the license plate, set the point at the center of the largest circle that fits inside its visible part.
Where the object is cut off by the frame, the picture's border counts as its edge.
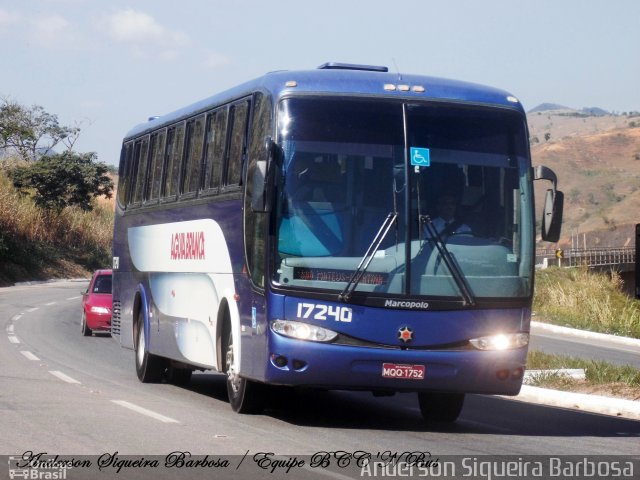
(407, 372)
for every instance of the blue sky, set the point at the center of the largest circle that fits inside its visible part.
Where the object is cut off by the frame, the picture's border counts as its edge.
(109, 65)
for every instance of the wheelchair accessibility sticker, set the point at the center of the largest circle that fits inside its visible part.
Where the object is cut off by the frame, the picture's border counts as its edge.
(420, 157)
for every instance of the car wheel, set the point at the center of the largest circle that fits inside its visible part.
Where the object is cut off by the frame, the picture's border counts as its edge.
(149, 368)
(245, 396)
(86, 331)
(440, 407)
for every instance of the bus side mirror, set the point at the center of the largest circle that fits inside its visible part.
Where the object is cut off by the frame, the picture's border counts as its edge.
(553, 205)
(552, 215)
(545, 173)
(259, 181)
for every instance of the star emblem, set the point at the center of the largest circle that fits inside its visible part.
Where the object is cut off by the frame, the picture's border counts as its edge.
(405, 334)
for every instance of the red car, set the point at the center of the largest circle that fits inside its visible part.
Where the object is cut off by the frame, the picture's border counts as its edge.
(96, 303)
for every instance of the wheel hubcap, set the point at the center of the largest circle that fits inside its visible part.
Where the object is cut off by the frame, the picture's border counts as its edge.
(141, 346)
(232, 374)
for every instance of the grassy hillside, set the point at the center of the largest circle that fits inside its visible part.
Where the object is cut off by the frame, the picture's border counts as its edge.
(597, 160)
(36, 244)
(586, 300)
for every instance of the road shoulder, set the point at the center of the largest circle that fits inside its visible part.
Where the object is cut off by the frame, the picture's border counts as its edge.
(599, 404)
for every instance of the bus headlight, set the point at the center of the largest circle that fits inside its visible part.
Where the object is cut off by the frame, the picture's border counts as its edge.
(303, 331)
(501, 341)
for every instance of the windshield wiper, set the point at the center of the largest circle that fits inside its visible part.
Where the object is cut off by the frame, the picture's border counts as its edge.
(345, 295)
(451, 264)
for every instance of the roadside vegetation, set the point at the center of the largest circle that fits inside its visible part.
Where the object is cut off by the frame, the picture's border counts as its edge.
(56, 212)
(601, 377)
(38, 244)
(586, 300)
(579, 298)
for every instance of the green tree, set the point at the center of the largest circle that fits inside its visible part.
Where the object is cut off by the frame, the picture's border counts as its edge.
(63, 180)
(31, 132)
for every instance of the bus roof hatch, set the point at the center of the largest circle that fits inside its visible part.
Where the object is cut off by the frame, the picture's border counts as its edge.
(352, 66)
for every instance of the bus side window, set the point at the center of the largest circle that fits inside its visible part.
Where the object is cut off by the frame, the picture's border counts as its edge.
(123, 173)
(193, 160)
(173, 161)
(237, 146)
(155, 169)
(139, 170)
(216, 135)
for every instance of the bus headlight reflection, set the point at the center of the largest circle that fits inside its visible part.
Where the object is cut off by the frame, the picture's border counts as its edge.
(502, 341)
(303, 331)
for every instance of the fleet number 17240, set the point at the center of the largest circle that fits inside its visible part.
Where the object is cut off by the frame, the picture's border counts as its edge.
(324, 312)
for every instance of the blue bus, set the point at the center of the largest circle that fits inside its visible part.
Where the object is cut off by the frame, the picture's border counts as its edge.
(341, 228)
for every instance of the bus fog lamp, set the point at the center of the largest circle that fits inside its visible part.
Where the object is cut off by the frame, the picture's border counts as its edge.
(298, 364)
(502, 341)
(303, 331)
(279, 360)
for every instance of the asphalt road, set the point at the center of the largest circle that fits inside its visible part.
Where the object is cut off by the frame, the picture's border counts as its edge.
(590, 349)
(63, 393)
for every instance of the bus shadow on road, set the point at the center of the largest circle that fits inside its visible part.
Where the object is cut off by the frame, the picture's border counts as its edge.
(321, 408)
(481, 414)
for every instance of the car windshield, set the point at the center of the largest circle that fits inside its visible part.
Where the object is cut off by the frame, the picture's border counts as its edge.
(455, 180)
(102, 284)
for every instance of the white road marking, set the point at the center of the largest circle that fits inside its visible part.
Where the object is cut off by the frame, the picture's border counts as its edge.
(29, 355)
(63, 377)
(32, 309)
(16, 317)
(49, 304)
(13, 339)
(74, 298)
(144, 411)
(10, 329)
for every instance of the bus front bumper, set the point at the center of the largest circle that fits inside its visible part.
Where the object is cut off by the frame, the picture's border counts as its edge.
(324, 365)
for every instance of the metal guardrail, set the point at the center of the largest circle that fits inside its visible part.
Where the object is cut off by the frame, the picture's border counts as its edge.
(589, 257)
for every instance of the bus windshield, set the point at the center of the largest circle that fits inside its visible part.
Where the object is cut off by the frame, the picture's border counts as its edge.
(455, 180)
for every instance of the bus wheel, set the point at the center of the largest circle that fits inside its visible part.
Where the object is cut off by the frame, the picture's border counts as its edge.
(148, 367)
(440, 407)
(245, 396)
(86, 331)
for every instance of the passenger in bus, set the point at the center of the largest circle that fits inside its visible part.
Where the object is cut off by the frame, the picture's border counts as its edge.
(446, 223)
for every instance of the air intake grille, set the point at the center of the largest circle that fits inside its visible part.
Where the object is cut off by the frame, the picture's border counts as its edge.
(115, 319)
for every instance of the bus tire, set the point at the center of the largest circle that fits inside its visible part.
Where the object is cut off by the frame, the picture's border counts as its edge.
(439, 407)
(86, 331)
(245, 396)
(149, 368)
